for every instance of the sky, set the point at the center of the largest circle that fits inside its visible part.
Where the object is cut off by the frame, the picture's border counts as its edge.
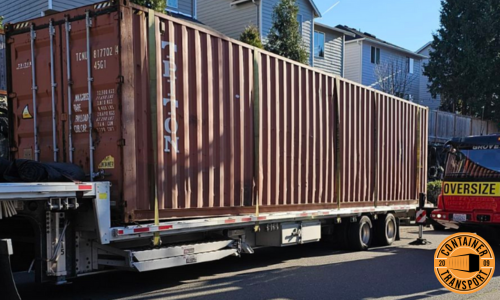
(406, 23)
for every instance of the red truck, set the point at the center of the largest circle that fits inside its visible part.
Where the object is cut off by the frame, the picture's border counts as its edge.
(470, 196)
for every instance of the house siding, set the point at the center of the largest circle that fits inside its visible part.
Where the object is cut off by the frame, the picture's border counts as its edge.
(227, 19)
(185, 7)
(426, 98)
(16, 11)
(61, 5)
(332, 61)
(388, 55)
(352, 69)
(307, 12)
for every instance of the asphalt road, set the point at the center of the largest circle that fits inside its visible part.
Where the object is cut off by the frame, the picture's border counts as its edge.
(311, 271)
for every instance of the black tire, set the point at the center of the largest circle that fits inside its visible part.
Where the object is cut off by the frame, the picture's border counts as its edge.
(340, 233)
(386, 230)
(360, 234)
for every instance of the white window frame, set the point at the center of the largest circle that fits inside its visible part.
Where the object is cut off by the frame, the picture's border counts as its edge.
(411, 64)
(172, 6)
(375, 55)
(324, 36)
(300, 20)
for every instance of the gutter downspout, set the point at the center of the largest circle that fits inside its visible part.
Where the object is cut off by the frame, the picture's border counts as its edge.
(342, 70)
(259, 10)
(360, 61)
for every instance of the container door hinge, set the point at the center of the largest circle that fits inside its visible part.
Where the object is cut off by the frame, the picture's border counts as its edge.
(120, 79)
(12, 95)
(121, 143)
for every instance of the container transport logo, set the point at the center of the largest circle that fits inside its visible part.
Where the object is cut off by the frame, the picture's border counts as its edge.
(464, 263)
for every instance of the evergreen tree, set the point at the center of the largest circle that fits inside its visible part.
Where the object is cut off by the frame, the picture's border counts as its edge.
(251, 36)
(284, 38)
(464, 66)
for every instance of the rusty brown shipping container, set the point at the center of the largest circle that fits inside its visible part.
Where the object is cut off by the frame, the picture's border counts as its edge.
(166, 109)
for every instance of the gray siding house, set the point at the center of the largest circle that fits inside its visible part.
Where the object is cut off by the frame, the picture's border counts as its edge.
(230, 17)
(329, 45)
(425, 96)
(15, 11)
(366, 57)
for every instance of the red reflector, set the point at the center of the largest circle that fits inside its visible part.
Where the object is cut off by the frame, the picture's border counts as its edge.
(326, 213)
(246, 219)
(230, 221)
(144, 229)
(261, 218)
(304, 215)
(120, 232)
(165, 227)
(85, 187)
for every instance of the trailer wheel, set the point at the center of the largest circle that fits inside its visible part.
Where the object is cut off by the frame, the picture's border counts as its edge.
(386, 230)
(360, 234)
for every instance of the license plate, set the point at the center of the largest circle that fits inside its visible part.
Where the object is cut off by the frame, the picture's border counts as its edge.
(459, 217)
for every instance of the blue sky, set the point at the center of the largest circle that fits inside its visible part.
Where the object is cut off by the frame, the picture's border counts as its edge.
(406, 23)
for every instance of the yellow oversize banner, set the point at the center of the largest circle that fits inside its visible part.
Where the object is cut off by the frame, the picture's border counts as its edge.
(471, 189)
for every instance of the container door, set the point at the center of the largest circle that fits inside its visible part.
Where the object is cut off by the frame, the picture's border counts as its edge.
(91, 72)
(36, 86)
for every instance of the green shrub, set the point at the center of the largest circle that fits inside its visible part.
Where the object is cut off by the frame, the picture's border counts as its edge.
(251, 36)
(433, 191)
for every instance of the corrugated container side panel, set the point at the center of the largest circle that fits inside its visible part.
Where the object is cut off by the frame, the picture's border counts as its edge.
(209, 95)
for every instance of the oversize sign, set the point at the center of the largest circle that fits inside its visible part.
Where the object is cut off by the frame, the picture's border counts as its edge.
(489, 189)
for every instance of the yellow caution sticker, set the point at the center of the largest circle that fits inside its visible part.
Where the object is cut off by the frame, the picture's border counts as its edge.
(26, 113)
(107, 163)
(103, 196)
(488, 189)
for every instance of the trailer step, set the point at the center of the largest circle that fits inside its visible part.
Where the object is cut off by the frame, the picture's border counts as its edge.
(189, 259)
(168, 252)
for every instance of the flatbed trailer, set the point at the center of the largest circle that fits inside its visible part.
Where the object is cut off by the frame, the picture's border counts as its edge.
(77, 237)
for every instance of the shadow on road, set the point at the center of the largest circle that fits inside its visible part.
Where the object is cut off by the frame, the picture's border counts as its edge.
(382, 272)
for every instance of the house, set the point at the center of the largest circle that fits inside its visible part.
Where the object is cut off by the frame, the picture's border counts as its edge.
(377, 63)
(425, 96)
(231, 17)
(16, 11)
(329, 45)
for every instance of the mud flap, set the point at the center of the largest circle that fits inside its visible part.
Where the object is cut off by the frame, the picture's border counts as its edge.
(8, 287)
(398, 225)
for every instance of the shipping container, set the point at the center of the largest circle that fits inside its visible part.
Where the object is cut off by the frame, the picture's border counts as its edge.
(169, 111)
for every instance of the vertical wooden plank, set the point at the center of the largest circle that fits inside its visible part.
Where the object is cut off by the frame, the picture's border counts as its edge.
(221, 120)
(242, 151)
(276, 121)
(211, 96)
(231, 99)
(284, 132)
(199, 119)
(307, 134)
(173, 114)
(293, 126)
(185, 86)
(300, 131)
(313, 137)
(269, 131)
(321, 140)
